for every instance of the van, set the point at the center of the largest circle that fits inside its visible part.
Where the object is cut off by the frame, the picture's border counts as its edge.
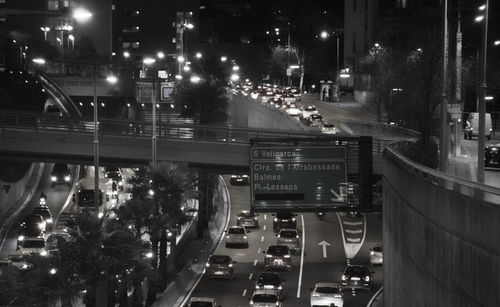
(472, 126)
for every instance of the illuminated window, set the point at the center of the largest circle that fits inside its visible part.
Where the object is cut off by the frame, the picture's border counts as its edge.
(53, 5)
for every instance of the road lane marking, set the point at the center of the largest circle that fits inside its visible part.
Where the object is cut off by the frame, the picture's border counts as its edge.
(265, 227)
(301, 254)
(262, 239)
(250, 276)
(259, 250)
(354, 231)
(357, 240)
(265, 216)
(352, 223)
(244, 292)
(255, 262)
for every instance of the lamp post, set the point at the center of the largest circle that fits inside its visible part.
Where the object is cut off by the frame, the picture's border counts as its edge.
(443, 135)
(45, 30)
(96, 144)
(482, 95)
(150, 61)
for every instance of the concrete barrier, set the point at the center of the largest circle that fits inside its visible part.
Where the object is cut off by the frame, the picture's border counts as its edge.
(441, 244)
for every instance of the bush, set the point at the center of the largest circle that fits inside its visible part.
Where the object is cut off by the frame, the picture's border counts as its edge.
(425, 152)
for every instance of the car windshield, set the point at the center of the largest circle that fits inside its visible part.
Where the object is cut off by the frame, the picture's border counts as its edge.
(277, 250)
(236, 231)
(33, 244)
(288, 234)
(201, 304)
(357, 270)
(327, 290)
(328, 126)
(220, 259)
(264, 298)
(377, 249)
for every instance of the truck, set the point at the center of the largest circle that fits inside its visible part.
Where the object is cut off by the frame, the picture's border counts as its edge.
(84, 195)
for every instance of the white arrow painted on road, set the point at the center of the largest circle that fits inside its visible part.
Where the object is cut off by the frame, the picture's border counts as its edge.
(324, 244)
(337, 196)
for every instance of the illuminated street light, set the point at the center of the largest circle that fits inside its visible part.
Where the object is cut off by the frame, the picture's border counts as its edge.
(198, 55)
(181, 59)
(482, 7)
(195, 79)
(112, 79)
(126, 54)
(187, 68)
(39, 61)
(223, 58)
(235, 77)
(81, 15)
(52, 271)
(45, 30)
(149, 61)
(479, 18)
(236, 68)
(72, 40)
(496, 43)
(178, 77)
(160, 55)
(324, 34)
(488, 98)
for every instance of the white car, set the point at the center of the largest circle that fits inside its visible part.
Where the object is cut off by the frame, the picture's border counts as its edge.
(33, 246)
(294, 113)
(308, 111)
(290, 238)
(202, 302)
(376, 256)
(236, 235)
(327, 294)
(329, 129)
(265, 298)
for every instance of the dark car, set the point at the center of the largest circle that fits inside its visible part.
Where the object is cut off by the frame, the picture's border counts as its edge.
(278, 257)
(315, 120)
(60, 175)
(32, 225)
(114, 174)
(284, 219)
(357, 277)
(247, 219)
(270, 281)
(492, 156)
(239, 180)
(44, 211)
(219, 266)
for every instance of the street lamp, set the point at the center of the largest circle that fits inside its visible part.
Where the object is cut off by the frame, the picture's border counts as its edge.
(150, 61)
(223, 58)
(198, 55)
(81, 15)
(45, 30)
(72, 40)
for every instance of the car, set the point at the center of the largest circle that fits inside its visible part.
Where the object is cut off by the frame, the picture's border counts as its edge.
(114, 175)
(290, 238)
(294, 113)
(33, 246)
(289, 98)
(247, 219)
(5, 267)
(308, 111)
(327, 294)
(239, 180)
(328, 128)
(492, 156)
(44, 211)
(19, 261)
(219, 266)
(284, 219)
(60, 174)
(376, 256)
(236, 235)
(32, 225)
(357, 277)
(315, 120)
(278, 257)
(270, 281)
(265, 298)
(201, 302)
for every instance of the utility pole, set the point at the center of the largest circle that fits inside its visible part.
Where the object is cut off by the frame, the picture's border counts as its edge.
(482, 103)
(444, 135)
(458, 87)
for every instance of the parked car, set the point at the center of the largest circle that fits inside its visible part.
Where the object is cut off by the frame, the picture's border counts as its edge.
(492, 156)
(202, 302)
(265, 298)
(376, 256)
(290, 238)
(236, 235)
(60, 174)
(357, 277)
(327, 294)
(284, 219)
(219, 266)
(247, 219)
(239, 180)
(328, 129)
(278, 257)
(270, 281)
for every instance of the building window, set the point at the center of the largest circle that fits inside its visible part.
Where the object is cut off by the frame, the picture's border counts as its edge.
(354, 42)
(401, 4)
(66, 3)
(354, 5)
(53, 5)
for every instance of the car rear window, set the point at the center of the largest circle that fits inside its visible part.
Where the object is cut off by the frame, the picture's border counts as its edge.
(201, 304)
(264, 298)
(284, 215)
(237, 231)
(327, 290)
(219, 259)
(288, 234)
(377, 249)
(277, 250)
(33, 244)
(355, 270)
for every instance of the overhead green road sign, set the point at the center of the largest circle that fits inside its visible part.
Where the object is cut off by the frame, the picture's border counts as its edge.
(305, 177)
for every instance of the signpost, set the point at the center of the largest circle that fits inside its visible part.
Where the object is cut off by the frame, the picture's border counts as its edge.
(297, 177)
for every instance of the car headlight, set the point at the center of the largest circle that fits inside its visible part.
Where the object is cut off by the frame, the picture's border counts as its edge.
(53, 178)
(120, 183)
(367, 278)
(20, 238)
(228, 237)
(100, 215)
(239, 217)
(277, 303)
(49, 221)
(230, 265)
(315, 294)
(372, 253)
(43, 253)
(280, 287)
(344, 277)
(275, 219)
(293, 219)
(207, 265)
(257, 287)
(41, 226)
(255, 218)
(244, 237)
(287, 256)
(269, 256)
(67, 178)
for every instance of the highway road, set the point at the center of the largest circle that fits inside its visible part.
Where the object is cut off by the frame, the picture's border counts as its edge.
(311, 267)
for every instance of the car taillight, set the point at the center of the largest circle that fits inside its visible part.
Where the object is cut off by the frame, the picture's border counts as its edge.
(367, 278)
(344, 277)
(287, 256)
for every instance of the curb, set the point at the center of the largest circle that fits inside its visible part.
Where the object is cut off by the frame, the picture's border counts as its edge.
(374, 301)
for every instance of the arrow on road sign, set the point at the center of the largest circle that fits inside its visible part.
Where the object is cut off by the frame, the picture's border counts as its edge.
(324, 244)
(337, 196)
